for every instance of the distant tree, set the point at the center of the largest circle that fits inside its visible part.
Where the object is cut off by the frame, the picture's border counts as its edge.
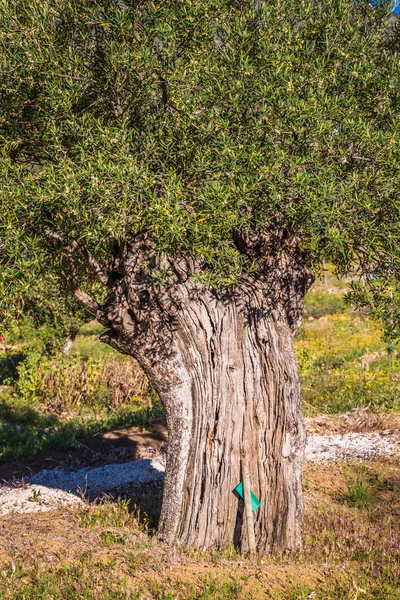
(184, 166)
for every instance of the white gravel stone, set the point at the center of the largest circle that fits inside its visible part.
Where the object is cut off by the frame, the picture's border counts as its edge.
(94, 481)
(34, 499)
(50, 489)
(324, 448)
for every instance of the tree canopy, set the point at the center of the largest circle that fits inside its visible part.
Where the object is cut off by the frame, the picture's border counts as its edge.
(192, 120)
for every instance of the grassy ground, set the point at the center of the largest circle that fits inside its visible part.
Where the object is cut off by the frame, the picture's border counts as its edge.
(27, 430)
(107, 551)
(345, 365)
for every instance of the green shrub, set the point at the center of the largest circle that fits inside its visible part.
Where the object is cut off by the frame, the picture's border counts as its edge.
(318, 303)
(9, 361)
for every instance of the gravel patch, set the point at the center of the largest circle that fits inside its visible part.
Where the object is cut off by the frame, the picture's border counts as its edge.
(323, 448)
(55, 488)
(34, 499)
(94, 481)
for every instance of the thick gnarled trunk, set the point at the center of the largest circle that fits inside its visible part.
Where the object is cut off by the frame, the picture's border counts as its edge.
(238, 389)
(224, 368)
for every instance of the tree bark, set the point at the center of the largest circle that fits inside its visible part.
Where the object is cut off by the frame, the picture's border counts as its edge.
(224, 368)
(69, 342)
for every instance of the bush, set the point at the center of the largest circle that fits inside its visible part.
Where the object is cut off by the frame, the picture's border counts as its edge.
(75, 383)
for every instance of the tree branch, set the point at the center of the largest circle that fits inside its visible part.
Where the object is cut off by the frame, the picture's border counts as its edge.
(74, 282)
(96, 267)
(76, 290)
(85, 298)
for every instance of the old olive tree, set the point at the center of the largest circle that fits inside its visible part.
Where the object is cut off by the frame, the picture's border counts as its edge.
(180, 168)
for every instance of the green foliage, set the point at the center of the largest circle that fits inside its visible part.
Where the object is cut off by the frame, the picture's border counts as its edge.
(93, 375)
(320, 302)
(109, 538)
(194, 120)
(67, 383)
(344, 364)
(41, 312)
(381, 295)
(9, 362)
(54, 400)
(28, 335)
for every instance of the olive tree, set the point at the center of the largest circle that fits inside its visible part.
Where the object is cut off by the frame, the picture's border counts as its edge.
(184, 166)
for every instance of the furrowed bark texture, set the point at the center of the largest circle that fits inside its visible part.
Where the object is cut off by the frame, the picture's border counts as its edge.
(224, 368)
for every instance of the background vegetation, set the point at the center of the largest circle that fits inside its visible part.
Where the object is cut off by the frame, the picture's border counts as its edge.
(345, 360)
(49, 400)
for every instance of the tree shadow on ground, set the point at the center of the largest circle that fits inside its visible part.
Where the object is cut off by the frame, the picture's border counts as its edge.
(8, 366)
(24, 431)
(145, 503)
(31, 440)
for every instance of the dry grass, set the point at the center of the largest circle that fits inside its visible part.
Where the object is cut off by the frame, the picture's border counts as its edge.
(113, 382)
(357, 421)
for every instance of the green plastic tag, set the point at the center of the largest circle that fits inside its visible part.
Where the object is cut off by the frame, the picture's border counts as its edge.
(255, 503)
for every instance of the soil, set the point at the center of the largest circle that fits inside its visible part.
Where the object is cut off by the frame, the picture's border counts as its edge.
(60, 537)
(63, 536)
(357, 421)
